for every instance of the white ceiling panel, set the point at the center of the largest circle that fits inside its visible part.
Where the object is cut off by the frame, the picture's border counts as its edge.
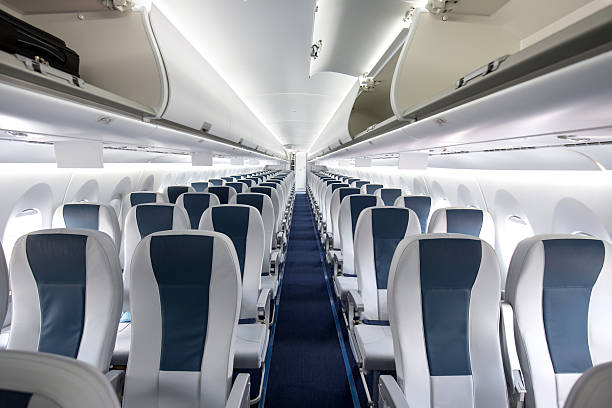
(261, 48)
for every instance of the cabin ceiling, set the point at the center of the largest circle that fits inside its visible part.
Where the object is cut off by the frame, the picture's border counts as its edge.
(262, 49)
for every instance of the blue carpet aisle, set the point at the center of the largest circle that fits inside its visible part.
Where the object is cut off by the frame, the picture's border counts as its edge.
(308, 367)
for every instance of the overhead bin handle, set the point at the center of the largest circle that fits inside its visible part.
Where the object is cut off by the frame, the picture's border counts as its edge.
(480, 72)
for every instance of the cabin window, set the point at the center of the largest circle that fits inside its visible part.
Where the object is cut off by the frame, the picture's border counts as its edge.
(26, 221)
(515, 230)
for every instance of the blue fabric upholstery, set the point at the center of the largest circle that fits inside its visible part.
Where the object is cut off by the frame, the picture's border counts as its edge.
(195, 205)
(239, 187)
(227, 178)
(81, 216)
(388, 229)
(59, 267)
(446, 287)
(175, 191)
(154, 218)
(358, 204)
(361, 183)
(215, 182)
(182, 265)
(371, 188)
(233, 222)
(421, 206)
(200, 187)
(571, 268)
(336, 186)
(248, 182)
(389, 195)
(263, 190)
(254, 200)
(463, 221)
(222, 192)
(142, 198)
(14, 399)
(347, 191)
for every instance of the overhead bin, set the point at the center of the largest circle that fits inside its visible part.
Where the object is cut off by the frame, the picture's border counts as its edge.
(123, 77)
(548, 37)
(353, 34)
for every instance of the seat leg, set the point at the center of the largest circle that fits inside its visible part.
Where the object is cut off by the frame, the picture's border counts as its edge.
(258, 398)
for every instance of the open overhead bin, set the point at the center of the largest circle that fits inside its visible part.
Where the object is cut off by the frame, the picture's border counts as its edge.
(123, 71)
(461, 55)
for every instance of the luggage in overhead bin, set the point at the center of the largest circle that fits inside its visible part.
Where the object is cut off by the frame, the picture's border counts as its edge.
(19, 37)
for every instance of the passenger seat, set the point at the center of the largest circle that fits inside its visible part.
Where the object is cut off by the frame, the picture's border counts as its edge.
(378, 233)
(93, 216)
(559, 287)
(50, 381)
(141, 221)
(469, 221)
(185, 309)
(350, 210)
(244, 226)
(66, 294)
(444, 312)
(173, 192)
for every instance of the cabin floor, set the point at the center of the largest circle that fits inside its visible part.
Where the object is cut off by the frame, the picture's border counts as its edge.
(311, 363)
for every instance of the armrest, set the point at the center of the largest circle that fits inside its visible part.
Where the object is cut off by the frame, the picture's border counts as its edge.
(337, 260)
(390, 394)
(263, 306)
(355, 306)
(117, 381)
(275, 261)
(512, 366)
(239, 395)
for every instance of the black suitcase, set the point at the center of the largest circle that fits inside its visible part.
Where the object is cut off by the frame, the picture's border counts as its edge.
(18, 37)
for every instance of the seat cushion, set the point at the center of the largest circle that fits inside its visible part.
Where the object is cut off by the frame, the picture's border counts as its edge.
(344, 284)
(375, 347)
(251, 345)
(122, 344)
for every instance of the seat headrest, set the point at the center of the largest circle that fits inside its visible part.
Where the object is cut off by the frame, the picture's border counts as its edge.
(223, 192)
(142, 197)
(459, 220)
(200, 186)
(346, 191)
(173, 192)
(421, 205)
(195, 204)
(238, 186)
(389, 195)
(216, 182)
(371, 188)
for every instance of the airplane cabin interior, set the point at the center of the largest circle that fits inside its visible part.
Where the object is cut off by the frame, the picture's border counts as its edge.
(305, 203)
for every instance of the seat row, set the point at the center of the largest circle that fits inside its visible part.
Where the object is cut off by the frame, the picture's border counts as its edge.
(197, 308)
(429, 308)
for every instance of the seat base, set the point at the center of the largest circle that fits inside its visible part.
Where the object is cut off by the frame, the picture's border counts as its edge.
(375, 347)
(343, 284)
(251, 346)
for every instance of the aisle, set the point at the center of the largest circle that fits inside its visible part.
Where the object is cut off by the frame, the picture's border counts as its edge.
(307, 366)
